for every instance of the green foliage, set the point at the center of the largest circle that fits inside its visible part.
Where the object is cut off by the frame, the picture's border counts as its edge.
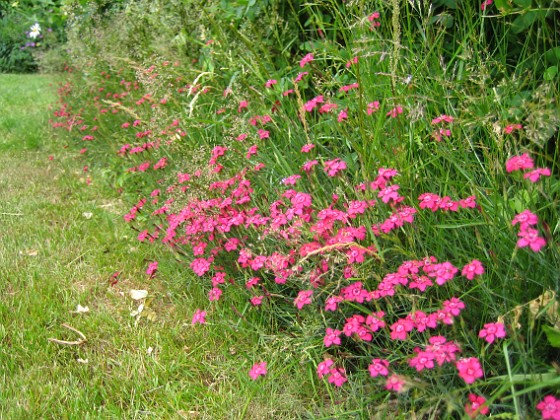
(489, 73)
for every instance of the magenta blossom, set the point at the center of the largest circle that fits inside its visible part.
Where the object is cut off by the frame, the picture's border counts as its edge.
(530, 237)
(472, 269)
(549, 407)
(476, 406)
(303, 298)
(492, 331)
(199, 317)
(258, 369)
(517, 163)
(469, 369)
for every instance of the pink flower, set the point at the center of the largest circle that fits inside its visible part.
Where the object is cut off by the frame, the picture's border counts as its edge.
(472, 269)
(549, 407)
(378, 367)
(534, 175)
(199, 317)
(395, 111)
(300, 76)
(485, 4)
(401, 328)
(303, 298)
(307, 59)
(256, 300)
(525, 219)
(424, 360)
(253, 150)
(492, 331)
(270, 82)
(152, 268)
(443, 272)
(215, 294)
(509, 128)
(263, 134)
(242, 105)
(476, 406)
(372, 107)
(258, 369)
(469, 369)
(394, 383)
(307, 147)
(343, 115)
(333, 167)
(530, 237)
(332, 303)
(291, 180)
(517, 163)
(200, 266)
(337, 376)
(429, 201)
(332, 337)
(307, 166)
(324, 368)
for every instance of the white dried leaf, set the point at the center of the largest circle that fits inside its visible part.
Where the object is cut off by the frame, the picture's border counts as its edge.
(138, 294)
(82, 309)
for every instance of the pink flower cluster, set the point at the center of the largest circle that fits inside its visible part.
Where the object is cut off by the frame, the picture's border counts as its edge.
(523, 163)
(528, 236)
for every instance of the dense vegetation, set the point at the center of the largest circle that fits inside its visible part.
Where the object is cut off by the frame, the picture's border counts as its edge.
(373, 184)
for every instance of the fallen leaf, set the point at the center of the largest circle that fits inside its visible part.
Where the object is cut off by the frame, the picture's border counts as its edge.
(138, 294)
(81, 309)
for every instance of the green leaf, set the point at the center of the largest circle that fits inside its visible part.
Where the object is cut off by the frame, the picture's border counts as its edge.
(523, 3)
(550, 73)
(523, 22)
(552, 56)
(553, 335)
(504, 6)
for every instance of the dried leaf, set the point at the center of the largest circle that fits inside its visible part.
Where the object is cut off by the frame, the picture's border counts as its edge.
(138, 294)
(82, 309)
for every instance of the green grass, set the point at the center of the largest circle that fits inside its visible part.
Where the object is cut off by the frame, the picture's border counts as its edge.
(60, 242)
(24, 100)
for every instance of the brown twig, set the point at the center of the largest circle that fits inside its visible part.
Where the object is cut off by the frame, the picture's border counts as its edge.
(82, 340)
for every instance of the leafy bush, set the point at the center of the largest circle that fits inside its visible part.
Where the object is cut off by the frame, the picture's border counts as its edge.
(29, 30)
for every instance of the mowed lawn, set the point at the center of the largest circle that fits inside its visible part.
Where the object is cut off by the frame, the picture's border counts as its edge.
(62, 243)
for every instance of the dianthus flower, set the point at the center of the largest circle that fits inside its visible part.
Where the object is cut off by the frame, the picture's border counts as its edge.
(303, 298)
(200, 266)
(152, 268)
(378, 367)
(333, 167)
(424, 360)
(469, 369)
(308, 58)
(476, 406)
(324, 368)
(517, 163)
(199, 317)
(530, 237)
(332, 337)
(394, 383)
(492, 331)
(337, 376)
(258, 369)
(472, 269)
(401, 328)
(307, 147)
(534, 175)
(549, 408)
